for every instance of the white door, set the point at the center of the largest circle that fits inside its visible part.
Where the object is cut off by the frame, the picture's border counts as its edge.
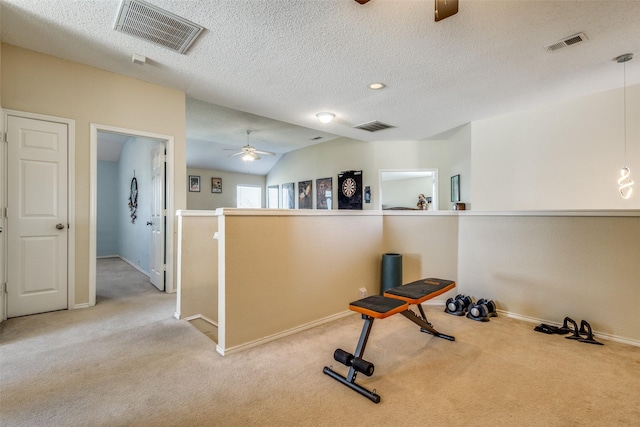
(37, 216)
(157, 217)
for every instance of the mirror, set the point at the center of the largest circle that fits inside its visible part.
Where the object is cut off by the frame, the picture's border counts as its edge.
(400, 189)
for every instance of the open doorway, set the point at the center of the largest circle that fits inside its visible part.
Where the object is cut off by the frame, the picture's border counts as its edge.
(124, 190)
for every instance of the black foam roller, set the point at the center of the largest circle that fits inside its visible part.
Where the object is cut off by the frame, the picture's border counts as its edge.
(343, 357)
(391, 271)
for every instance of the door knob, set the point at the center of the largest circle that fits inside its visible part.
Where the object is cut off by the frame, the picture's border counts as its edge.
(149, 223)
(59, 226)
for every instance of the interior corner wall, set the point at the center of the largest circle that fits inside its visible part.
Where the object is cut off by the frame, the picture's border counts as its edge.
(206, 200)
(460, 164)
(332, 157)
(563, 156)
(547, 267)
(43, 84)
(107, 209)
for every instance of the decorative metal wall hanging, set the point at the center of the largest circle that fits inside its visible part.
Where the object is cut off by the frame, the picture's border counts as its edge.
(133, 198)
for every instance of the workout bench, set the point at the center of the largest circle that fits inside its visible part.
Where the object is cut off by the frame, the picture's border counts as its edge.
(395, 300)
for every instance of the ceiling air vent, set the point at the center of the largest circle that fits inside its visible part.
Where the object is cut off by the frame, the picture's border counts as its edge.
(373, 126)
(569, 41)
(148, 22)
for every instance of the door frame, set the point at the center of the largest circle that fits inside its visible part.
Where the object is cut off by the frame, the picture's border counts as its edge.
(71, 199)
(93, 200)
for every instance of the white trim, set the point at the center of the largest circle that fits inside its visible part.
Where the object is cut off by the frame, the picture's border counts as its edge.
(83, 305)
(170, 187)
(251, 344)
(3, 221)
(599, 334)
(71, 194)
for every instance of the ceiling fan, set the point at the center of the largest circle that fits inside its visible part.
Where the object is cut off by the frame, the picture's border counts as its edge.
(248, 152)
(443, 8)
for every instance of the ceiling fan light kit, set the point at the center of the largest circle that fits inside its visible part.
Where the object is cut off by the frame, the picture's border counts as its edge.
(248, 152)
(325, 117)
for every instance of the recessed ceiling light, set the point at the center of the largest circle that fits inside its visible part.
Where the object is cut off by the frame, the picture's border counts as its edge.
(376, 86)
(325, 117)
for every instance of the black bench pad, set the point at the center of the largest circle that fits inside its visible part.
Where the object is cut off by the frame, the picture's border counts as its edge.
(420, 290)
(378, 306)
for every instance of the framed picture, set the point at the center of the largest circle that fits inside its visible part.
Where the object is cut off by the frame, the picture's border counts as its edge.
(455, 188)
(273, 197)
(216, 185)
(305, 195)
(323, 193)
(288, 199)
(194, 183)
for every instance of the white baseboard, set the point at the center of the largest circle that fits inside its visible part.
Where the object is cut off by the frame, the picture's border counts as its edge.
(246, 346)
(599, 334)
(83, 305)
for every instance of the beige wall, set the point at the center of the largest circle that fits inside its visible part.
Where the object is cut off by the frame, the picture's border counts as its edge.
(428, 244)
(562, 156)
(43, 84)
(280, 271)
(205, 199)
(549, 267)
(283, 270)
(197, 265)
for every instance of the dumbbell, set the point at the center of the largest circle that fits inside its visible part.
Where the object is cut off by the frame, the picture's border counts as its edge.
(491, 306)
(458, 305)
(479, 311)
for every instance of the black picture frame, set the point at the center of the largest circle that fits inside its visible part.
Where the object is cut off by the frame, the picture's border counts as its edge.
(324, 193)
(194, 183)
(216, 185)
(455, 188)
(305, 194)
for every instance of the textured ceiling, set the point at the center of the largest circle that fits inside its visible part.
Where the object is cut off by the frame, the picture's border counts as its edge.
(286, 60)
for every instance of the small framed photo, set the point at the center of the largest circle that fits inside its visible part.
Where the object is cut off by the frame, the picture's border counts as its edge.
(194, 183)
(216, 185)
(455, 188)
(323, 193)
(305, 194)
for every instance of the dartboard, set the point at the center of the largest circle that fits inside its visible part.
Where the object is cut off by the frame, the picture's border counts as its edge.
(349, 187)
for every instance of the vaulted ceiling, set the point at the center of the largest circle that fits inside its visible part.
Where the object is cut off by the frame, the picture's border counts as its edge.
(270, 66)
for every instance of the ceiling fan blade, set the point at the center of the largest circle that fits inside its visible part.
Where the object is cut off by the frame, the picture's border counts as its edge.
(239, 153)
(266, 153)
(445, 8)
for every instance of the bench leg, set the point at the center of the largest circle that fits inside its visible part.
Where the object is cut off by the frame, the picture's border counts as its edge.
(424, 325)
(350, 379)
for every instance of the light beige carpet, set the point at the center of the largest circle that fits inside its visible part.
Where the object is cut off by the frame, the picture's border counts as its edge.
(128, 362)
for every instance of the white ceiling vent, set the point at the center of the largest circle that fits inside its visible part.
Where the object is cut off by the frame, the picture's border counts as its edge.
(373, 126)
(569, 41)
(148, 22)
